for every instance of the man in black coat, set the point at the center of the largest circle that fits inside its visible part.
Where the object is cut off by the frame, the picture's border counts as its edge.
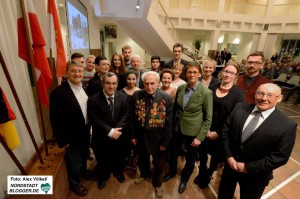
(177, 53)
(68, 117)
(109, 114)
(102, 67)
(254, 150)
(152, 125)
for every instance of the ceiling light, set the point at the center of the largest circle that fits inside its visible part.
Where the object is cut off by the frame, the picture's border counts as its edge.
(137, 5)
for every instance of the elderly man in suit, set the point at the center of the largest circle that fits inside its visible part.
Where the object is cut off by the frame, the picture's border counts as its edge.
(68, 117)
(193, 117)
(109, 114)
(152, 124)
(136, 62)
(257, 139)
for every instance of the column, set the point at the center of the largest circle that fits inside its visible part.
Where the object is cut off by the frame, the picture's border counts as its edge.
(214, 39)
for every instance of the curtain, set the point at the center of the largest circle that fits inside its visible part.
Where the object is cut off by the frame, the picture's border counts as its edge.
(19, 74)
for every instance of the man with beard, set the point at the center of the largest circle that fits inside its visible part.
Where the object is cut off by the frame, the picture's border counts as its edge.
(126, 52)
(252, 79)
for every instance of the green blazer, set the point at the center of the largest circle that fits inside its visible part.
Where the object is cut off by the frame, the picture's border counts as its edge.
(196, 117)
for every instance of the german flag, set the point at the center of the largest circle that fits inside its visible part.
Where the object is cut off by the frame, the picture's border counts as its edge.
(7, 128)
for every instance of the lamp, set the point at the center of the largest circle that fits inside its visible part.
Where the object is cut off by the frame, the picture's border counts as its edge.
(137, 5)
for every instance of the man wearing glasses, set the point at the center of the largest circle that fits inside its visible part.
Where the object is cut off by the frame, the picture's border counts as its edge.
(193, 116)
(109, 114)
(251, 81)
(257, 139)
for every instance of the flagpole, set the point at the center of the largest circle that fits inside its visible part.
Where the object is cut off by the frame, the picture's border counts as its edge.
(34, 73)
(12, 155)
(14, 92)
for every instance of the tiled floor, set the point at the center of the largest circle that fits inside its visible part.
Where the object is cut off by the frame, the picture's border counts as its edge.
(286, 182)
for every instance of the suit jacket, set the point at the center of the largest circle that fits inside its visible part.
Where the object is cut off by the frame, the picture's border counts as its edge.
(267, 148)
(250, 91)
(154, 126)
(67, 120)
(170, 63)
(196, 117)
(95, 85)
(101, 118)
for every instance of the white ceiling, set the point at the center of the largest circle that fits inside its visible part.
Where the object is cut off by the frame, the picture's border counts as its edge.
(121, 8)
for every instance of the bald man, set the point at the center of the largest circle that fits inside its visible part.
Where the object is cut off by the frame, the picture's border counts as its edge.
(257, 139)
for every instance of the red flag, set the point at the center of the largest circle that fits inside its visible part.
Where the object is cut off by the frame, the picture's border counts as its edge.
(61, 60)
(41, 65)
(7, 128)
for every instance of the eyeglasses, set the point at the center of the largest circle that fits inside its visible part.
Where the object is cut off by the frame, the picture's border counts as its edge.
(249, 63)
(226, 72)
(192, 72)
(111, 83)
(268, 95)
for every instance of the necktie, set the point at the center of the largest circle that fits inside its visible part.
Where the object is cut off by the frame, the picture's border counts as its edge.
(111, 105)
(251, 126)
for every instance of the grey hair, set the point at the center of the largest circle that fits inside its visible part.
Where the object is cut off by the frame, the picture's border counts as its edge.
(135, 56)
(150, 73)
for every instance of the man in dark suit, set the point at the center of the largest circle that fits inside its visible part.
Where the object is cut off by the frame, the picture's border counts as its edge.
(177, 53)
(102, 67)
(109, 114)
(68, 117)
(257, 139)
(152, 124)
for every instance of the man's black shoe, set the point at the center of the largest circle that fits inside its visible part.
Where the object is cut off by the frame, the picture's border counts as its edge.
(101, 184)
(121, 178)
(182, 187)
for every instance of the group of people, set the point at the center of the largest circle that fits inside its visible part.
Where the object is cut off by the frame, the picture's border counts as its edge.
(156, 111)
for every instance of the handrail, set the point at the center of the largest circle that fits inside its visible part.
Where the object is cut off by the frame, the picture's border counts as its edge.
(174, 29)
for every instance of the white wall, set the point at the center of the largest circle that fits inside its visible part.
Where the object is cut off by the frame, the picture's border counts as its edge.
(121, 40)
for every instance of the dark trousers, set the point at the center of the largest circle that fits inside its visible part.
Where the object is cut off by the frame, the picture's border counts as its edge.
(144, 164)
(110, 157)
(214, 148)
(250, 187)
(76, 160)
(176, 141)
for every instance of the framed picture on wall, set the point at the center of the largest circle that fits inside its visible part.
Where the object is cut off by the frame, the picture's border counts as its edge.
(110, 31)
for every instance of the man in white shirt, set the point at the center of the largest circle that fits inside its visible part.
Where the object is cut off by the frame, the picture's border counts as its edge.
(109, 114)
(68, 117)
(257, 139)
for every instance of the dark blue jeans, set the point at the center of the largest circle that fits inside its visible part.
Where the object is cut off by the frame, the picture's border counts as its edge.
(76, 165)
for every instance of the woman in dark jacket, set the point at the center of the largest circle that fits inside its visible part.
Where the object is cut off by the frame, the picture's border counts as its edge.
(225, 97)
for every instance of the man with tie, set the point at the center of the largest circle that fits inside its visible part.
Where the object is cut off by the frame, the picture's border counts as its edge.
(152, 125)
(109, 114)
(257, 139)
(68, 118)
